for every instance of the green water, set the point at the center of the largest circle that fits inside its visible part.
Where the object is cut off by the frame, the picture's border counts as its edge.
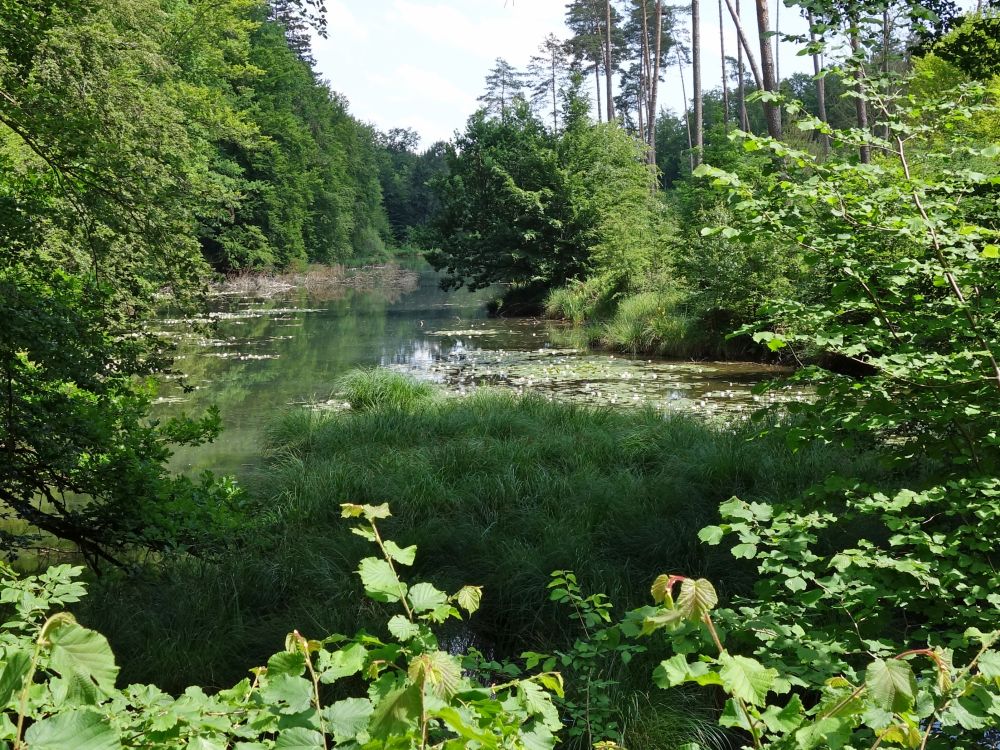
(285, 352)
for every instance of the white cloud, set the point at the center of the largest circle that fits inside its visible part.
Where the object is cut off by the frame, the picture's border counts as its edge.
(341, 22)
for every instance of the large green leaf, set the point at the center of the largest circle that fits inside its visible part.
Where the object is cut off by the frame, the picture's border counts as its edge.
(299, 738)
(76, 730)
(343, 663)
(424, 597)
(286, 662)
(402, 555)
(397, 714)
(469, 598)
(379, 580)
(746, 678)
(437, 671)
(696, 598)
(346, 719)
(76, 650)
(295, 692)
(891, 685)
(12, 672)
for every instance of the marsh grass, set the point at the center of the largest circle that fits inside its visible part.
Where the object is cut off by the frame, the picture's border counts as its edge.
(495, 489)
(655, 321)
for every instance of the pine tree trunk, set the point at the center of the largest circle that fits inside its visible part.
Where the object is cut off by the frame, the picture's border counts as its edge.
(699, 125)
(645, 78)
(608, 72)
(555, 103)
(741, 93)
(745, 44)
(597, 83)
(725, 82)
(654, 82)
(771, 112)
(687, 118)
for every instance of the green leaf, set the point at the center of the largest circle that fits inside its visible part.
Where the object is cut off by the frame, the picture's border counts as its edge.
(398, 713)
(348, 718)
(463, 723)
(333, 666)
(711, 534)
(295, 692)
(299, 738)
(553, 682)
(286, 662)
(696, 598)
(404, 556)
(437, 671)
(538, 703)
(14, 670)
(424, 597)
(76, 650)
(380, 581)
(746, 678)
(79, 730)
(207, 743)
(991, 251)
(402, 629)
(676, 671)
(891, 685)
(786, 719)
(989, 665)
(469, 598)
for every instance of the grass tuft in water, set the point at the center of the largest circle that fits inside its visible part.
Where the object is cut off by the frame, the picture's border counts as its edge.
(383, 389)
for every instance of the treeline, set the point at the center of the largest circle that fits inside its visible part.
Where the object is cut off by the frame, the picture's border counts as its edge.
(670, 290)
(143, 143)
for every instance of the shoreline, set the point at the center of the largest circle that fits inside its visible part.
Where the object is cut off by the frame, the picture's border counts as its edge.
(314, 277)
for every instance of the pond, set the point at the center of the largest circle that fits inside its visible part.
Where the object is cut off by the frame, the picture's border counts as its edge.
(287, 350)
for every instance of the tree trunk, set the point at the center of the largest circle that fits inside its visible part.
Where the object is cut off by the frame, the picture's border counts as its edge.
(654, 82)
(860, 105)
(608, 72)
(820, 87)
(699, 124)
(745, 45)
(741, 93)
(597, 84)
(687, 119)
(644, 75)
(771, 112)
(886, 43)
(725, 83)
(555, 102)
(777, 42)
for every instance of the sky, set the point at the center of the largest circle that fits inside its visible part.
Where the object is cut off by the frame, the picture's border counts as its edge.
(421, 64)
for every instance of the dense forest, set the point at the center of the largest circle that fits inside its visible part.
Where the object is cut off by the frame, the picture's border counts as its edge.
(517, 572)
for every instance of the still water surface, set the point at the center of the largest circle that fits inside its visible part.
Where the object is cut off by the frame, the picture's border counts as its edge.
(266, 355)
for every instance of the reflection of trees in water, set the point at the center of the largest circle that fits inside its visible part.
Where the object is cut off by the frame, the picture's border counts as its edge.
(322, 283)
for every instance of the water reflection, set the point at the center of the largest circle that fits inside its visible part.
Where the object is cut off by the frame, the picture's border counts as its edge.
(265, 355)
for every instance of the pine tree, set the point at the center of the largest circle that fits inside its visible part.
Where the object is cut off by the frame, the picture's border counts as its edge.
(548, 75)
(504, 87)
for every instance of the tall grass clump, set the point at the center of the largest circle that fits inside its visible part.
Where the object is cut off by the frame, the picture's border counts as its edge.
(380, 388)
(653, 322)
(583, 301)
(496, 490)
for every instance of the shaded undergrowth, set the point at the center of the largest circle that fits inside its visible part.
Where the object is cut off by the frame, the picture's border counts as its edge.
(496, 490)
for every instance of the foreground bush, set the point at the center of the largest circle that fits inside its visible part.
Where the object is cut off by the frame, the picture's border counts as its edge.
(58, 680)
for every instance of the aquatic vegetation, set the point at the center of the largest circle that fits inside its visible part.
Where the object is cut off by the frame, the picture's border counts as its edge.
(498, 489)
